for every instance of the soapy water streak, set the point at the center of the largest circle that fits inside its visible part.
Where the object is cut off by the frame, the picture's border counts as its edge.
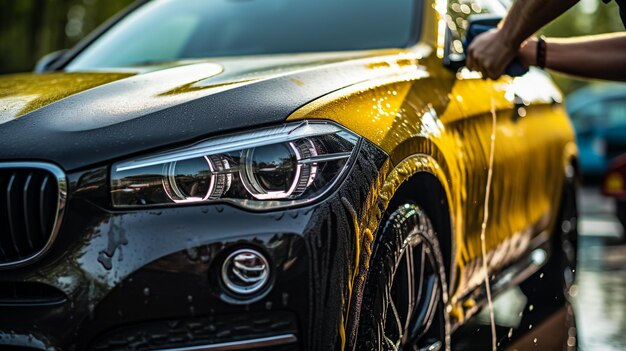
(484, 225)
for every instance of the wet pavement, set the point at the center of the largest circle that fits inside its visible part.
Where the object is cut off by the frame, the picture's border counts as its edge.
(594, 319)
(600, 294)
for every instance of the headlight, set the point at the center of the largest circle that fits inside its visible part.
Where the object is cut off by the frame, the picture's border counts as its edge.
(267, 168)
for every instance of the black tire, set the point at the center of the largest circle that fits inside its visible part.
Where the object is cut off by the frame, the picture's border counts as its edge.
(405, 292)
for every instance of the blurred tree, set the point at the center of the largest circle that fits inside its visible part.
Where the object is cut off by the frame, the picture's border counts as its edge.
(586, 18)
(30, 29)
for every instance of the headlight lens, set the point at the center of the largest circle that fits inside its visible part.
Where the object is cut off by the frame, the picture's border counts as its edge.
(271, 167)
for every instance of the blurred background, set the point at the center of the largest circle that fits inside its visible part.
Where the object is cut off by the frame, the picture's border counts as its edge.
(30, 29)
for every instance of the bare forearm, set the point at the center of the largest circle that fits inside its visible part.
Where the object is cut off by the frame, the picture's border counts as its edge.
(598, 56)
(530, 16)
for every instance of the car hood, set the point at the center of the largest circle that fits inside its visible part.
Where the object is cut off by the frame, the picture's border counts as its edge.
(21, 94)
(78, 119)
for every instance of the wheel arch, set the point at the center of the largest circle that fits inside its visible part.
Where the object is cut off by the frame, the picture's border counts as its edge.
(430, 196)
(421, 180)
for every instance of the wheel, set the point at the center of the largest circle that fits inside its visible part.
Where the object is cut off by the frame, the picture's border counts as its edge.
(405, 292)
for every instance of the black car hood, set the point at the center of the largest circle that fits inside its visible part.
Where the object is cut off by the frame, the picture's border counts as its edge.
(178, 104)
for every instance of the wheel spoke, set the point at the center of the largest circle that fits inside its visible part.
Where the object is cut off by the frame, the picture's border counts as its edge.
(397, 318)
(414, 319)
(422, 268)
(430, 308)
(436, 346)
(393, 346)
(410, 276)
(429, 291)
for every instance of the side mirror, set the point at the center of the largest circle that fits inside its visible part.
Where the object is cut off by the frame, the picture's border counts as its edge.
(44, 63)
(476, 24)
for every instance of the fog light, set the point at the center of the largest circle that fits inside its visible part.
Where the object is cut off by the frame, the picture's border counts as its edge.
(245, 272)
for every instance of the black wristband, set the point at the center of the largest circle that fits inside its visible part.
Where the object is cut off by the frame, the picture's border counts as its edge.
(542, 49)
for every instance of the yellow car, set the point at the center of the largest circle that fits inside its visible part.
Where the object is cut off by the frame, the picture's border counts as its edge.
(284, 174)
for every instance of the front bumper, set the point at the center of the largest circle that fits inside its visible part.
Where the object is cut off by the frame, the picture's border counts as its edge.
(147, 280)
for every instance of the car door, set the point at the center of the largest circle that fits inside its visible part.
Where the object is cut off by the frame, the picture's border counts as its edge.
(520, 204)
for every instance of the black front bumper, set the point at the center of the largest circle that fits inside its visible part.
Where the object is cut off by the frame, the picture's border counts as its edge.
(148, 280)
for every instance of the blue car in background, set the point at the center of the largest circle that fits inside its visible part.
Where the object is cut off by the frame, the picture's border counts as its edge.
(598, 113)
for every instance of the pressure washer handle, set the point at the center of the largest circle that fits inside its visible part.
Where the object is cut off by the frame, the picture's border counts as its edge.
(514, 69)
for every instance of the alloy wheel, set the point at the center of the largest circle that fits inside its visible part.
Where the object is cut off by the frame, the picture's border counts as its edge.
(414, 318)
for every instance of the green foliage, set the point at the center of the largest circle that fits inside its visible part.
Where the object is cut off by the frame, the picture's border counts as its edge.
(587, 18)
(29, 29)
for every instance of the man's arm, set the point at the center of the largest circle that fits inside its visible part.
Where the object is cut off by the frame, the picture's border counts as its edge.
(491, 52)
(598, 56)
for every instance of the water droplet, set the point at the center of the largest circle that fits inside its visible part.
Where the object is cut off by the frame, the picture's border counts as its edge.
(146, 291)
(531, 307)
(192, 253)
(566, 226)
(268, 305)
(573, 291)
(535, 340)
(219, 209)
(571, 331)
(189, 298)
(571, 341)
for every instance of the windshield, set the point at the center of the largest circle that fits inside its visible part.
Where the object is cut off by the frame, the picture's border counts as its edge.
(169, 30)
